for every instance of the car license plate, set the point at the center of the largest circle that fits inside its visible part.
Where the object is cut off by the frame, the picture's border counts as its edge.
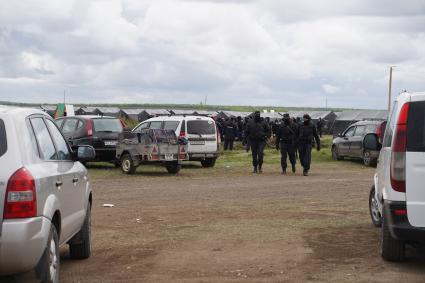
(169, 157)
(110, 143)
(197, 142)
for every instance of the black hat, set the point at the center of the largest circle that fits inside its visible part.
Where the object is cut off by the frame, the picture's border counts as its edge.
(307, 117)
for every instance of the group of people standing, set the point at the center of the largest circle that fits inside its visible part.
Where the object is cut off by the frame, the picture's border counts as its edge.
(293, 137)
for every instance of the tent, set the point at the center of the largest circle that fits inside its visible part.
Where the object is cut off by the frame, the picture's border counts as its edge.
(348, 117)
(131, 114)
(107, 111)
(150, 113)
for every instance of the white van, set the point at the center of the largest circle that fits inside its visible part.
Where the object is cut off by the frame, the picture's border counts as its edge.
(200, 131)
(397, 199)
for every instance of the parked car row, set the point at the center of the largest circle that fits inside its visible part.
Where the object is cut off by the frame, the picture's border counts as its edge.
(45, 192)
(103, 133)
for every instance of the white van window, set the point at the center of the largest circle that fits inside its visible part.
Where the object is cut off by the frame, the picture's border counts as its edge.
(142, 126)
(155, 125)
(200, 127)
(416, 127)
(171, 125)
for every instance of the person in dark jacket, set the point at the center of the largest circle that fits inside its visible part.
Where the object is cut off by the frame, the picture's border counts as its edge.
(319, 126)
(240, 128)
(230, 132)
(307, 132)
(220, 127)
(286, 134)
(257, 132)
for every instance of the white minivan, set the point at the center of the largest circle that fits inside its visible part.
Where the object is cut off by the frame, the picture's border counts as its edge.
(201, 133)
(397, 199)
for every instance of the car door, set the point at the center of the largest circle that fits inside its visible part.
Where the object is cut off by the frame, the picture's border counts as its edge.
(55, 173)
(356, 142)
(74, 181)
(344, 144)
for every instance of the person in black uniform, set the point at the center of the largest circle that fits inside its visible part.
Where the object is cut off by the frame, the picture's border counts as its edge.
(307, 132)
(230, 132)
(319, 126)
(257, 131)
(286, 133)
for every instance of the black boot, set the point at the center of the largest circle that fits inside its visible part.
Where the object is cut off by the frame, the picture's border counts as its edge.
(260, 169)
(305, 173)
(255, 170)
(284, 172)
(293, 169)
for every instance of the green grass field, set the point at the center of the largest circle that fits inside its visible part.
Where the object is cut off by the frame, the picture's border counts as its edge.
(235, 161)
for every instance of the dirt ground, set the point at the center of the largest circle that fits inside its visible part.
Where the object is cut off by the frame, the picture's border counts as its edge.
(227, 225)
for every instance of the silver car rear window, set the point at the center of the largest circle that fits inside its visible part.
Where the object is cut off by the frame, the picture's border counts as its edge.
(107, 125)
(3, 138)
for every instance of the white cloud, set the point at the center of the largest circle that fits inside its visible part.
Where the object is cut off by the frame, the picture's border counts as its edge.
(237, 52)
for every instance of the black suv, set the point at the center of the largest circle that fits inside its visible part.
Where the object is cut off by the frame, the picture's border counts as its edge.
(350, 142)
(101, 132)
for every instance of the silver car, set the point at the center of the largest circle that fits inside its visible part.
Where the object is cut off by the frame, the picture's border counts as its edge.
(45, 195)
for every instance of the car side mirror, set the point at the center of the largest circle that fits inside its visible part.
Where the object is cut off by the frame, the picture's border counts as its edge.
(85, 153)
(371, 142)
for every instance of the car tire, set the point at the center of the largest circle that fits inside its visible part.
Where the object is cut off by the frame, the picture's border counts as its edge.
(80, 244)
(173, 167)
(375, 214)
(391, 249)
(368, 160)
(209, 162)
(335, 155)
(127, 165)
(47, 269)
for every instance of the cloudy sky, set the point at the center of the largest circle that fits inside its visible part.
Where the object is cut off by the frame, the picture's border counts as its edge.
(229, 52)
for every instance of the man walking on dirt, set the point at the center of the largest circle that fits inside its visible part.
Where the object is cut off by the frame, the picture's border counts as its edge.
(307, 132)
(285, 141)
(257, 132)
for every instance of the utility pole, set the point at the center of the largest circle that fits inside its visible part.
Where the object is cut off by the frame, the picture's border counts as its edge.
(389, 87)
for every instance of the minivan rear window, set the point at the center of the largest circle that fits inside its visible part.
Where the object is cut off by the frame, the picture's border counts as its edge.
(3, 138)
(107, 125)
(416, 127)
(200, 127)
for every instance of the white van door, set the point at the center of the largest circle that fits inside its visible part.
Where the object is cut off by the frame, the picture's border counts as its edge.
(202, 135)
(415, 164)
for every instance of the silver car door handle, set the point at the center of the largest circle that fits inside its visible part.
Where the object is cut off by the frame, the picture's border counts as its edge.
(75, 180)
(59, 183)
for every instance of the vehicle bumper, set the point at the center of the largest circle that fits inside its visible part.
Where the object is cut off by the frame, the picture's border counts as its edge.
(193, 156)
(22, 243)
(399, 225)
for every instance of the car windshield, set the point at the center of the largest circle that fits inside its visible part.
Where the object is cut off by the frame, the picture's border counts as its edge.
(3, 140)
(200, 127)
(107, 125)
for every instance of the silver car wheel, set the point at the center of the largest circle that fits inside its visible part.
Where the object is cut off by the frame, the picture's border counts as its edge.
(53, 260)
(126, 165)
(375, 210)
(366, 158)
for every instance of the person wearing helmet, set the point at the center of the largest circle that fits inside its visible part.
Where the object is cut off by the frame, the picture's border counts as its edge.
(306, 134)
(257, 131)
(286, 133)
